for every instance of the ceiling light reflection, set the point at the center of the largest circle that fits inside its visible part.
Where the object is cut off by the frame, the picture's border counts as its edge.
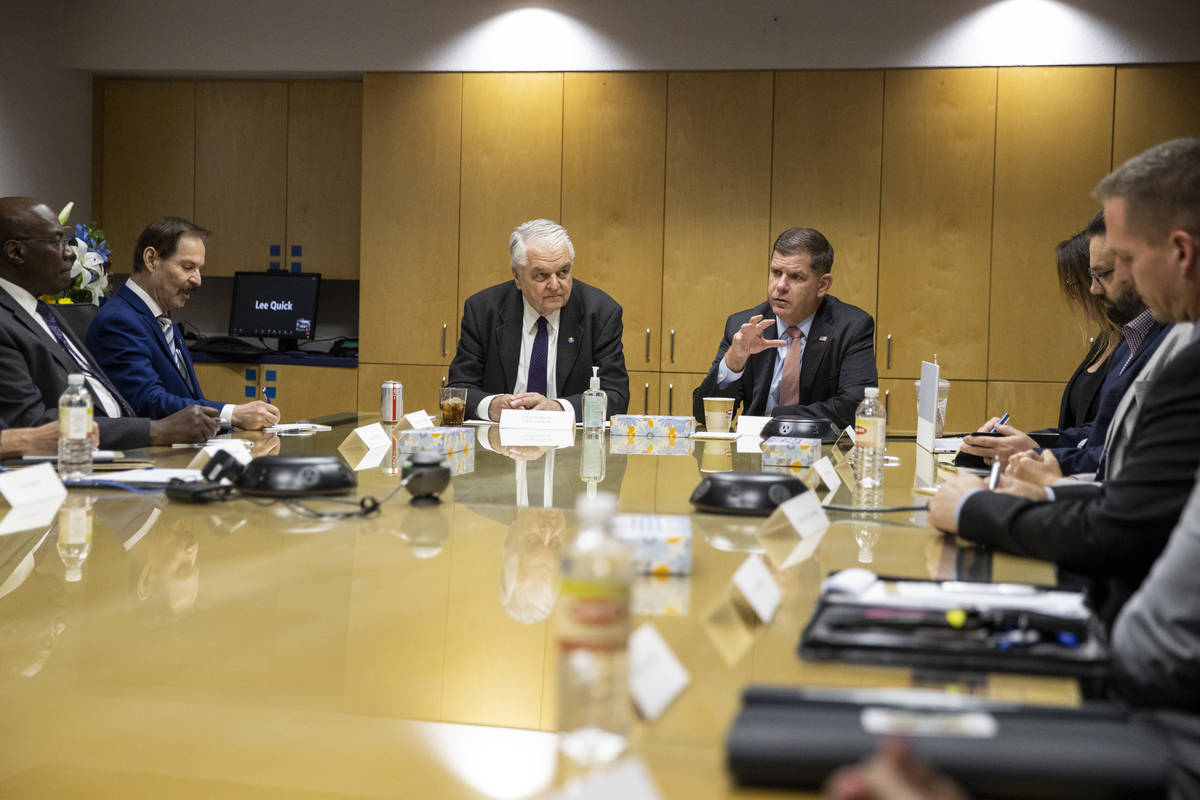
(504, 763)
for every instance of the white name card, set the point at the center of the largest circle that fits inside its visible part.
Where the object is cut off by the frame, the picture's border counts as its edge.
(829, 476)
(537, 420)
(807, 517)
(419, 419)
(656, 677)
(754, 581)
(372, 436)
(35, 493)
(927, 405)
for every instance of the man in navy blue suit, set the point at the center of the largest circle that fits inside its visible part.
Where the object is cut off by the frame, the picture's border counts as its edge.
(138, 346)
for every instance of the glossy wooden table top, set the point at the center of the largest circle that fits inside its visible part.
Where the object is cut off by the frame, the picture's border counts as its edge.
(243, 650)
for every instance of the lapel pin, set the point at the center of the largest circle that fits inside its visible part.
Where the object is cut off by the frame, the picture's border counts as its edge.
(823, 339)
(570, 340)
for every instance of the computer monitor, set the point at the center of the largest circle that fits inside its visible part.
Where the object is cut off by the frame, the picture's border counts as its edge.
(275, 303)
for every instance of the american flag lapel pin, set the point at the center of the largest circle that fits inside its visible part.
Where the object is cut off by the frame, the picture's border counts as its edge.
(823, 339)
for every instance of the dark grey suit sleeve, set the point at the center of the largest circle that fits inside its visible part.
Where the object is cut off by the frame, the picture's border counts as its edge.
(21, 403)
(1156, 640)
(466, 370)
(608, 354)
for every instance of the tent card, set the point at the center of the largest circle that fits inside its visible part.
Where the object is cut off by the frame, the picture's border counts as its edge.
(829, 476)
(628, 779)
(655, 675)
(927, 405)
(537, 420)
(754, 581)
(32, 485)
(419, 419)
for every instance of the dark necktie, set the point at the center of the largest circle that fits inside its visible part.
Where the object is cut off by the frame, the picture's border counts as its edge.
(789, 378)
(537, 359)
(51, 321)
(168, 330)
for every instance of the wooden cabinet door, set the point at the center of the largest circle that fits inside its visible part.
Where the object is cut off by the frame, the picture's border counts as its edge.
(408, 281)
(717, 216)
(936, 220)
(644, 392)
(422, 385)
(324, 177)
(675, 392)
(1153, 104)
(308, 392)
(966, 405)
(1053, 143)
(241, 173)
(512, 128)
(614, 130)
(230, 383)
(825, 170)
(147, 154)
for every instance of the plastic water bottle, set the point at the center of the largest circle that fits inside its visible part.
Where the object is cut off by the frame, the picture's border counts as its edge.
(74, 425)
(870, 441)
(593, 635)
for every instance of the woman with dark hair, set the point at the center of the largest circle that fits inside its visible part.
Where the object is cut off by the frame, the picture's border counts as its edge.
(1082, 395)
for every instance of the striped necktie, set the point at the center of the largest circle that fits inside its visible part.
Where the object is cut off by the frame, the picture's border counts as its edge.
(76, 355)
(168, 329)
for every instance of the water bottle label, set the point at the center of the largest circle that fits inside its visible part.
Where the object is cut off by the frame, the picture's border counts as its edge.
(75, 524)
(869, 432)
(594, 614)
(74, 423)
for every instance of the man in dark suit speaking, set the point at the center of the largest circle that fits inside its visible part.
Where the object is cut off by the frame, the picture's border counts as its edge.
(821, 354)
(531, 343)
(138, 346)
(37, 352)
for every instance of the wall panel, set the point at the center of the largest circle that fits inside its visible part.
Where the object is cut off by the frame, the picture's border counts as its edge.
(1153, 104)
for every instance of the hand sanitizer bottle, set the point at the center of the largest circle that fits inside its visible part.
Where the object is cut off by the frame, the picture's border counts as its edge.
(594, 403)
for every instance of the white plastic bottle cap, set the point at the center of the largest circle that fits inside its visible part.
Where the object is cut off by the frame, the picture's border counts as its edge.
(871, 391)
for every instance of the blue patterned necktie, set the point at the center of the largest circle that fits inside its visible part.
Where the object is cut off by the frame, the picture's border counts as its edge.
(537, 359)
(56, 331)
(168, 330)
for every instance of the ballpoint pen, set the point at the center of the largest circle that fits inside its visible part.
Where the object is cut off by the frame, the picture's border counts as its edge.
(994, 475)
(1000, 422)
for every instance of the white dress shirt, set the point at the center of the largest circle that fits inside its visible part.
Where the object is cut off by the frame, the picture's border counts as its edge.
(29, 304)
(528, 332)
(226, 409)
(726, 376)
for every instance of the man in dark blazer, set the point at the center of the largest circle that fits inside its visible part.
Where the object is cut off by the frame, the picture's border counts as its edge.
(137, 345)
(1113, 532)
(37, 351)
(824, 372)
(531, 343)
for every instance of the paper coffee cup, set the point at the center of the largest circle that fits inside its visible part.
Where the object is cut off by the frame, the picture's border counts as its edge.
(718, 414)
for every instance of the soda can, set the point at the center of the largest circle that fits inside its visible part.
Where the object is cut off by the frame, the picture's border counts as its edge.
(391, 402)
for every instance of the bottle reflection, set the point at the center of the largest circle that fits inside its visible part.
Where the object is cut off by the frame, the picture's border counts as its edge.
(530, 567)
(592, 463)
(32, 603)
(74, 541)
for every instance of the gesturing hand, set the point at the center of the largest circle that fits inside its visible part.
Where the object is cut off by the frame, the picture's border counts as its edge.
(748, 341)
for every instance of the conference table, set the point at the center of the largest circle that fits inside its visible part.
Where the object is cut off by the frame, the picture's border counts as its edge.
(244, 649)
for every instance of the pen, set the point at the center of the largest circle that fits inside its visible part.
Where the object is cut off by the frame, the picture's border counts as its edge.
(994, 476)
(1000, 422)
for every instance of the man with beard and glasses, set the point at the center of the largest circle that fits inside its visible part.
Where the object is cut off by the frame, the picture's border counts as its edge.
(1079, 450)
(139, 347)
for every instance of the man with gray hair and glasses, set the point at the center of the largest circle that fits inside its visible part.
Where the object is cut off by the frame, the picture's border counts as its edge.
(531, 343)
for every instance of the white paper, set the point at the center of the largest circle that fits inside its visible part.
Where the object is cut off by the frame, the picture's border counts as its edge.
(947, 444)
(373, 436)
(537, 437)
(751, 426)
(656, 677)
(536, 420)
(296, 428)
(749, 444)
(238, 448)
(829, 477)
(927, 405)
(754, 581)
(628, 779)
(925, 469)
(32, 485)
(135, 477)
(31, 516)
(370, 459)
(419, 419)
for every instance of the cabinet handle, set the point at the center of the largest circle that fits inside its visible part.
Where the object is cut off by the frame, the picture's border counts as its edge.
(444, 340)
(670, 398)
(443, 381)
(887, 402)
(889, 351)
(646, 399)
(647, 345)
(672, 345)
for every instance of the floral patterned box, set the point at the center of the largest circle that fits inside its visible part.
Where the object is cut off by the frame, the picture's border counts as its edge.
(784, 451)
(652, 425)
(440, 439)
(662, 543)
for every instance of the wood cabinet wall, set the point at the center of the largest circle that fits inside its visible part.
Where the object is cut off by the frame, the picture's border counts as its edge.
(272, 168)
(943, 191)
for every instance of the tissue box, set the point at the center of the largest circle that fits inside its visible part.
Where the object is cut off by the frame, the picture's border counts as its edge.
(783, 451)
(661, 595)
(662, 545)
(441, 439)
(651, 425)
(461, 460)
(650, 445)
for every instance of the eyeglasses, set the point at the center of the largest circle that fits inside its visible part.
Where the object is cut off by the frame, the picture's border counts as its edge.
(1100, 275)
(63, 242)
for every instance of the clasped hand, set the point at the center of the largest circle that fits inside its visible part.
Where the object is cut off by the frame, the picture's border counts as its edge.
(530, 401)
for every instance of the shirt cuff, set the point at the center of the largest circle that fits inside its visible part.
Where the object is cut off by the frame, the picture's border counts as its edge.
(566, 406)
(481, 410)
(226, 416)
(725, 375)
(958, 508)
(1049, 493)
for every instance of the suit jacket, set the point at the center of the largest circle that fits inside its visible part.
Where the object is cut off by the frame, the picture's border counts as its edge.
(590, 328)
(128, 343)
(1156, 640)
(1114, 531)
(33, 372)
(1089, 383)
(839, 362)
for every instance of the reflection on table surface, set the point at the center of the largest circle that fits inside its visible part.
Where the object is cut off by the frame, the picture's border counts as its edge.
(244, 650)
